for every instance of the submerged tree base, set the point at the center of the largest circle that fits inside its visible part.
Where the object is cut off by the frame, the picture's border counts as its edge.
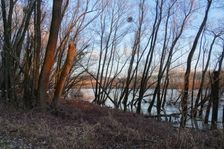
(80, 124)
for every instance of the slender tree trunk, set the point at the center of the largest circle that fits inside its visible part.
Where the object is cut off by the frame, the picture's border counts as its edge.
(194, 78)
(215, 99)
(207, 113)
(188, 69)
(149, 57)
(203, 78)
(203, 100)
(37, 40)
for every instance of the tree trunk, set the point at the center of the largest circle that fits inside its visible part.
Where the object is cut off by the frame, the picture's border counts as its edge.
(67, 67)
(188, 69)
(203, 78)
(49, 56)
(37, 44)
(215, 99)
(8, 85)
(207, 113)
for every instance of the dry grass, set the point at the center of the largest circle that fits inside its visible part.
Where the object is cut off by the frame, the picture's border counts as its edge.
(83, 125)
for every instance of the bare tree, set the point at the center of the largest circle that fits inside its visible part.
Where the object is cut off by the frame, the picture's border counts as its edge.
(203, 76)
(188, 69)
(12, 45)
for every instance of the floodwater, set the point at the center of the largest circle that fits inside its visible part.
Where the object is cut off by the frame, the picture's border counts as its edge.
(170, 107)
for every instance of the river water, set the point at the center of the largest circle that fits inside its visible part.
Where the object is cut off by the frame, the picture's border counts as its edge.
(170, 108)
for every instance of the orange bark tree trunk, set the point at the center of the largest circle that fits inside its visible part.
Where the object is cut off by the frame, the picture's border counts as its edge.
(64, 74)
(49, 55)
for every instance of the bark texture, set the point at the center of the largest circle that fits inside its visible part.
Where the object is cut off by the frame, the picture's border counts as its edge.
(64, 74)
(50, 52)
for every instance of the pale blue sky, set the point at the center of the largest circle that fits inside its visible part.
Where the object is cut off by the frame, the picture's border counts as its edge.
(215, 20)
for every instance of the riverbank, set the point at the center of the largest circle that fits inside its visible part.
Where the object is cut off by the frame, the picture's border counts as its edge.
(80, 124)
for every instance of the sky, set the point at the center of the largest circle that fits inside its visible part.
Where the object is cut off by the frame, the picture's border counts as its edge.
(215, 21)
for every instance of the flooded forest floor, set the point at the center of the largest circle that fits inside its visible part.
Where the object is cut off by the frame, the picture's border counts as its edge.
(80, 124)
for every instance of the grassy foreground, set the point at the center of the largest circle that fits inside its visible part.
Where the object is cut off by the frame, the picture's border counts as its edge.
(83, 125)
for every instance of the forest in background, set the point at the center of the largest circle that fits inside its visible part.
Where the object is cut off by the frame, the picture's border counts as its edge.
(47, 48)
